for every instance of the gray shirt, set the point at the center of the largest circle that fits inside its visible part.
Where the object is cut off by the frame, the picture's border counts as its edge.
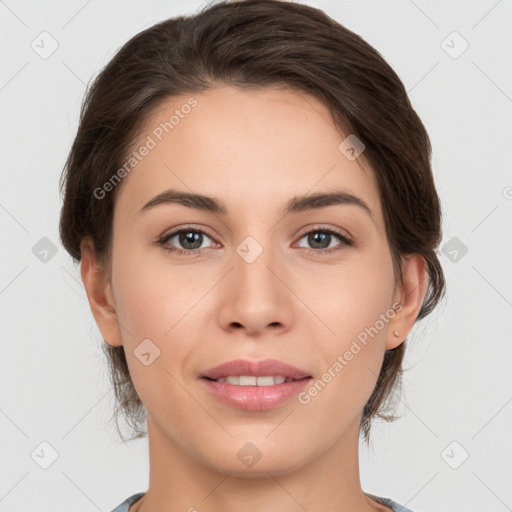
(123, 507)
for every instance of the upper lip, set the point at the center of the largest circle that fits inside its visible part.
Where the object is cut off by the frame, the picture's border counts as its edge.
(255, 368)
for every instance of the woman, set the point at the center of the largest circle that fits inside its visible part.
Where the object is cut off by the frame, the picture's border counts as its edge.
(251, 199)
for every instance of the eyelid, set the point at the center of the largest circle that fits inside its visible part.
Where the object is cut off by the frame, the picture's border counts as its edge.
(324, 227)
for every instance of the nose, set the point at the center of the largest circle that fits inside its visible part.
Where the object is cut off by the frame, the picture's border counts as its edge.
(256, 296)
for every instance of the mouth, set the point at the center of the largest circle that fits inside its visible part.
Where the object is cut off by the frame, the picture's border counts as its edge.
(254, 397)
(242, 372)
(255, 385)
(253, 380)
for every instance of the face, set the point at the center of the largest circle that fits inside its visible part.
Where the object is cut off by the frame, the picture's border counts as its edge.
(192, 288)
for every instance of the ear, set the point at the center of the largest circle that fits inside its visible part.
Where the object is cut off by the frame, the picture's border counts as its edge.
(99, 294)
(410, 293)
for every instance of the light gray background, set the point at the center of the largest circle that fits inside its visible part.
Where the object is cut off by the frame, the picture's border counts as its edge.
(54, 386)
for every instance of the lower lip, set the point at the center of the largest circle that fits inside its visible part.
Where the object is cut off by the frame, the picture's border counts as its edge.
(256, 398)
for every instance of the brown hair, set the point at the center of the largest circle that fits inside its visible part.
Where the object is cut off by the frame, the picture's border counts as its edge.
(257, 43)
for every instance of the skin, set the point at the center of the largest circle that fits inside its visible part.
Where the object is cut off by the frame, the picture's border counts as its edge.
(204, 309)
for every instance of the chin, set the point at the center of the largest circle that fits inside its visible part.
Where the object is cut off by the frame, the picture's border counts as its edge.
(249, 462)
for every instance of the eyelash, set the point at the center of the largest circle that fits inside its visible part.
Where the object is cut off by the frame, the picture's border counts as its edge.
(184, 252)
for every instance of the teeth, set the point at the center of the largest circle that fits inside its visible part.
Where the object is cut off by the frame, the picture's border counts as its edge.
(250, 380)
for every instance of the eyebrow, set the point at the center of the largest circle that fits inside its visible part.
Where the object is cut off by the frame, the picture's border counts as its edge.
(296, 204)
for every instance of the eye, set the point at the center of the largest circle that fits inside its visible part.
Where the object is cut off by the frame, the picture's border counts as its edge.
(191, 239)
(321, 240)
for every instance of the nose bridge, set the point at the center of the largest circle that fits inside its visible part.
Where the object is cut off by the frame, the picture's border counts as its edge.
(256, 296)
(253, 262)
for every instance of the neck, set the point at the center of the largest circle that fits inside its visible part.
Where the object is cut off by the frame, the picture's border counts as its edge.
(180, 481)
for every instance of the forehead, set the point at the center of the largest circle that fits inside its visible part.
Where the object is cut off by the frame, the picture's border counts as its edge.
(245, 146)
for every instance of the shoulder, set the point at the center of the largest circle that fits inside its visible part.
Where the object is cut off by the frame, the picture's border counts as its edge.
(123, 507)
(395, 507)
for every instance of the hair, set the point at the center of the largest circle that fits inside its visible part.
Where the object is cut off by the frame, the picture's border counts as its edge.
(256, 44)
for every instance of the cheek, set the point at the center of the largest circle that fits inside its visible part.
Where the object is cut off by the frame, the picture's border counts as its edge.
(156, 316)
(356, 305)
(151, 298)
(351, 358)
(159, 312)
(350, 297)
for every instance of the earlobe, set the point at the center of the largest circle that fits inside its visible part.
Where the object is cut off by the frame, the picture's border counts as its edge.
(99, 295)
(411, 292)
